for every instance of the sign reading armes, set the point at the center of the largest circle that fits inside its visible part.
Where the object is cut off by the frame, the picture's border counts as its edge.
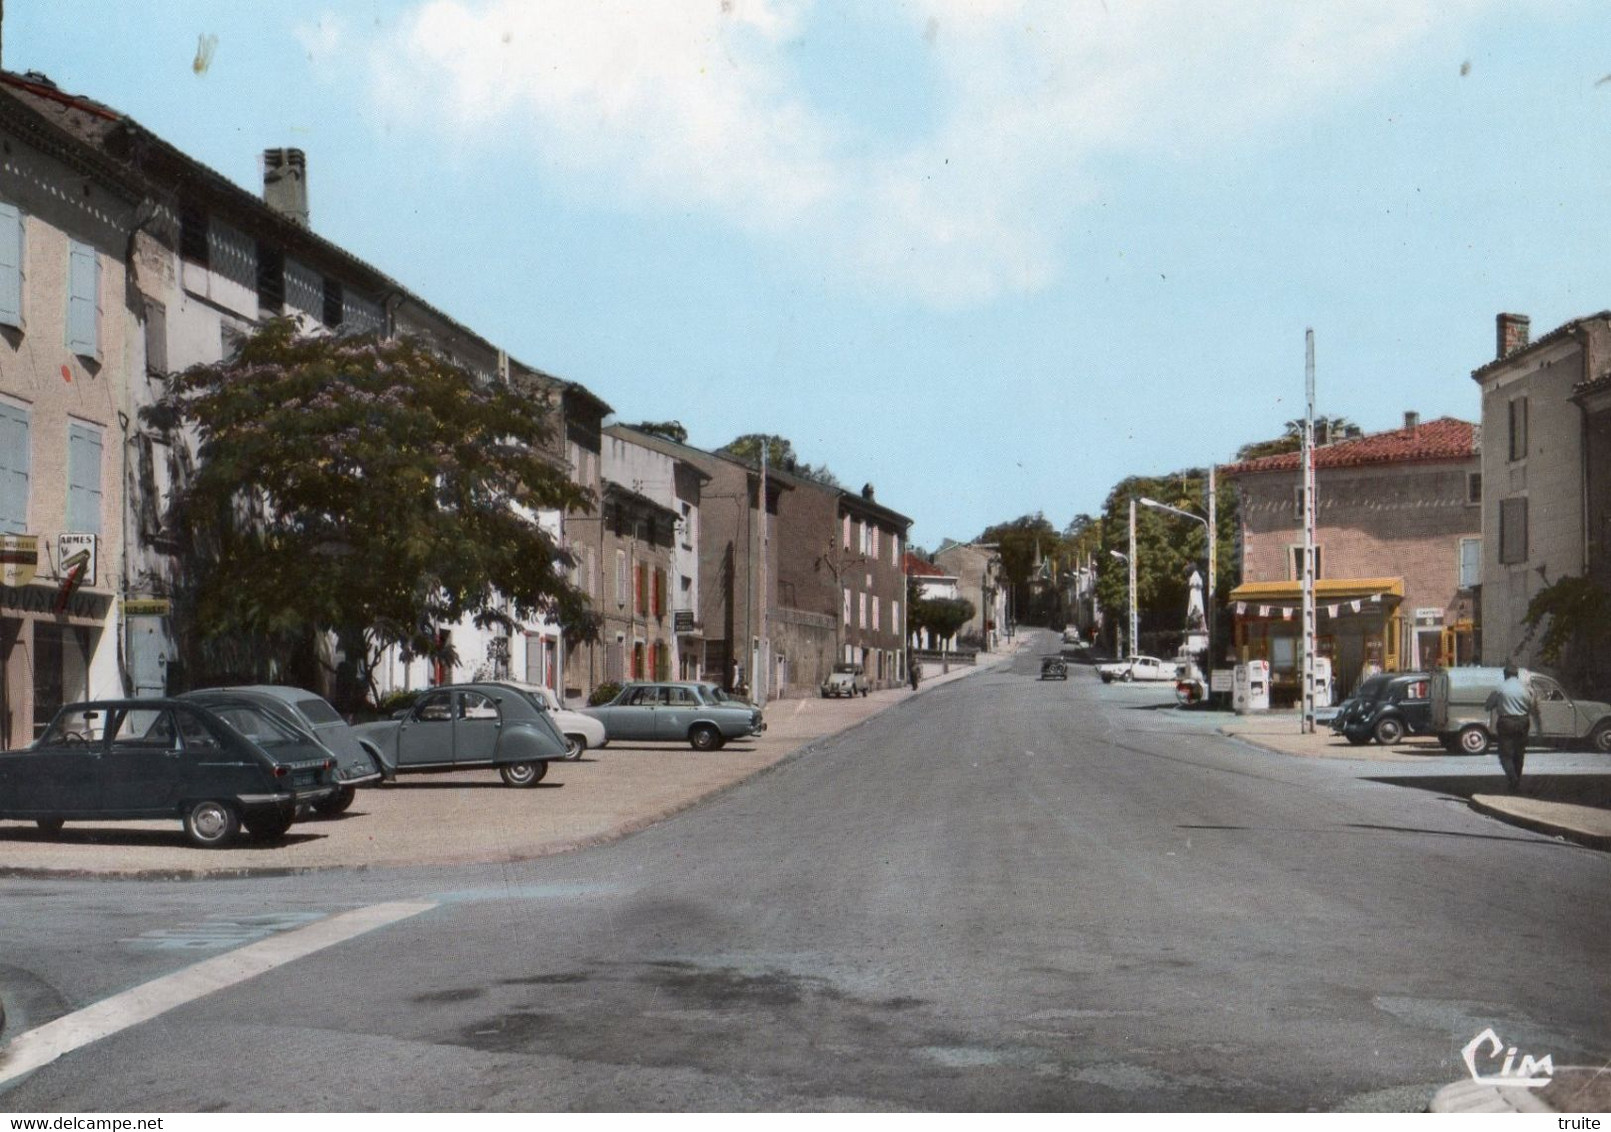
(70, 544)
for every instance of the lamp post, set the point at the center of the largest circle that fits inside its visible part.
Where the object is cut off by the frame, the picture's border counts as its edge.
(1209, 527)
(1125, 558)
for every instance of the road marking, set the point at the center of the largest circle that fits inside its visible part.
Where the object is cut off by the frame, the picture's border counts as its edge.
(219, 932)
(139, 1004)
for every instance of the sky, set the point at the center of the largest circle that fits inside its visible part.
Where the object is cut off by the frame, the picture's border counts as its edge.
(990, 256)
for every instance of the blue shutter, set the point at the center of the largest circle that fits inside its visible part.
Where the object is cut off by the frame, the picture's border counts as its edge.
(83, 479)
(83, 300)
(13, 470)
(10, 265)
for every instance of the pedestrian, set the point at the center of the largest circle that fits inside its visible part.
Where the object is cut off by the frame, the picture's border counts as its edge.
(914, 673)
(1512, 710)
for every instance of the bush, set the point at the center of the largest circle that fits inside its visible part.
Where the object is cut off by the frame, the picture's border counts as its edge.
(604, 693)
(393, 702)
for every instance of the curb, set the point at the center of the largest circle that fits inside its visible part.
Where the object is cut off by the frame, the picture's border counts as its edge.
(1539, 825)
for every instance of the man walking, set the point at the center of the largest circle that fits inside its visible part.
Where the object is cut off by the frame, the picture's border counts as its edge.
(1513, 711)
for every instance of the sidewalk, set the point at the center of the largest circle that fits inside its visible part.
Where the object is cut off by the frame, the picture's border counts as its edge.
(470, 817)
(1577, 807)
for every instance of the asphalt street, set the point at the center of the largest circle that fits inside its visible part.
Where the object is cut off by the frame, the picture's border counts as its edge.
(1002, 894)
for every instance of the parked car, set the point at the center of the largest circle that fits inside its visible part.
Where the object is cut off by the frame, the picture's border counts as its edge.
(468, 727)
(580, 732)
(702, 715)
(1053, 668)
(1136, 668)
(846, 679)
(213, 767)
(357, 762)
(1362, 699)
(1401, 705)
(1460, 713)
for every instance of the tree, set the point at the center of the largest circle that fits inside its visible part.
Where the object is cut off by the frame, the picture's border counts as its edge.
(1023, 542)
(1292, 439)
(670, 430)
(941, 617)
(779, 454)
(366, 489)
(1575, 616)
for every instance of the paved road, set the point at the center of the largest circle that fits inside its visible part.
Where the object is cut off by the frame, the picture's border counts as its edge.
(1004, 894)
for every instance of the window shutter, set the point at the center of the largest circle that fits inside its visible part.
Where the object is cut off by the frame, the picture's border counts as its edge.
(83, 479)
(83, 300)
(13, 469)
(10, 265)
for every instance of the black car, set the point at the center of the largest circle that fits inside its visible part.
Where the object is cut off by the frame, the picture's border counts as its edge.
(1053, 668)
(213, 768)
(1362, 700)
(1403, 706)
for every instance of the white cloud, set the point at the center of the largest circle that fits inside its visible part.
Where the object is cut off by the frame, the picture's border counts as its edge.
(683, 105)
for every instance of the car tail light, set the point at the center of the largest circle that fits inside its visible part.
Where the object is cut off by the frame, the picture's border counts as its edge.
(281, 770)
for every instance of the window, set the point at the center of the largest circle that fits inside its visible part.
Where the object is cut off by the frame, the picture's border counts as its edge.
(846, 539)
(894, 617)
(1518, 429)
(658, 607)
(1470, 563)
(13, 469)
(1295, 562)
(1473, 487)
(620, 578)
(156, 338)
(232, 254)
(872, 540)
(861, 611)
(304, 289)
(11, 272)
(875, 612)
(270, 278)
(361, 316)
(1513, 530)
(847, 605)
(83, 479)
(587, 573)
(83, 300)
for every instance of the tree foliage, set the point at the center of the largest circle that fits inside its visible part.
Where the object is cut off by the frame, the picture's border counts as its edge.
(779, 454)
(1292, 439)
(1575, 616)
(941, 617)
(367, 489)
(670, 430)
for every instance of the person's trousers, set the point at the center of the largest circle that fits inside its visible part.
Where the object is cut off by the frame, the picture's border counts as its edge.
(1513, 732)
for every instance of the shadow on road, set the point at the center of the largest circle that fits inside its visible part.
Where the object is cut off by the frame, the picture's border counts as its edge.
(1576, 789)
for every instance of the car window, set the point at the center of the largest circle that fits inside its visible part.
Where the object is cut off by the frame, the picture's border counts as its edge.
(683, 697)
(144, 727)
(642, 697)
(437, 707)
(474, 705)
(193, 733)
(316, 709)
(1548, 690)
(259, 725)
(71, 728)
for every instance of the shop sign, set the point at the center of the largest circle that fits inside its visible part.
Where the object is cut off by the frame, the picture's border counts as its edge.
(70, 547)
(682, 620)
(146, 607)
(1428, 616)
(19, 559)
(42, 599)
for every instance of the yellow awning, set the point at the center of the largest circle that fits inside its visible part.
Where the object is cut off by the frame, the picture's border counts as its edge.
(1327, 590)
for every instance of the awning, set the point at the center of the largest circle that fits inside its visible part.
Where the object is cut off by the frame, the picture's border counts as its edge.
(1327, 590)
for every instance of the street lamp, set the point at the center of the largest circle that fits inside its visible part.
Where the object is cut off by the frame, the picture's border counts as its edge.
(1209, 527)
(1130, 562)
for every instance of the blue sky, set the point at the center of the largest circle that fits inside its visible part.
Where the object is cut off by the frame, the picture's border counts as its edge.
(989, 255)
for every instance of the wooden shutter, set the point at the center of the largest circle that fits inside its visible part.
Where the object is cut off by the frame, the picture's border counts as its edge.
(10, 265)
(13, 469)
(83, 479)
(83, 300)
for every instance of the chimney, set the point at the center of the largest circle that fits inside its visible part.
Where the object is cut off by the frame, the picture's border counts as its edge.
(285, 183)
(1412, 419)
(1514, 333)
(867, 491)
(1322, 432)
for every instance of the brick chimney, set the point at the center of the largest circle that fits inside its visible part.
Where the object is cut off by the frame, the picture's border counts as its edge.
(1514, 333)
(285, 183)
(1412, 419)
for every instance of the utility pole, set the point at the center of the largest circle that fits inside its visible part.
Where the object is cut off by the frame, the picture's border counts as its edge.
(763, 658)
(1308, 725)
(1213, 565)
(1134, 618)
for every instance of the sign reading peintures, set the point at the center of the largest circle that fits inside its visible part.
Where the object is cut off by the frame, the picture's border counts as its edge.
(146, 607)
(19, 559)
(70, 546)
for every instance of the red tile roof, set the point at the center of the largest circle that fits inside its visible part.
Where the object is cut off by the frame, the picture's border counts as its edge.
(917, 566)
(1443, 439)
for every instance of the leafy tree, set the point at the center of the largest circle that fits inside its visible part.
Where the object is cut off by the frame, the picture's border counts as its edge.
(1575, 616)
(1292, 439)
(366, 489)
(779, 454)
(1023, 541)
(942, 617)
(670, 430)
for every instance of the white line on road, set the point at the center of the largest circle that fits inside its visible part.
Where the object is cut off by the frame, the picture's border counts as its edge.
(139, 1004)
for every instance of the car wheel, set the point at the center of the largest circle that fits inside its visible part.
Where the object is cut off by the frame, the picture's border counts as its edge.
(269, 827)
(1107, 678)
(523, 774)
(1388, 731)
(209, 825)
(337, 803)
(1450, 743)
(1356, 739)
(575, 747)
(1128, 676)
(704, 738)
(1474, 739)
(1600, 737)
(51, 826)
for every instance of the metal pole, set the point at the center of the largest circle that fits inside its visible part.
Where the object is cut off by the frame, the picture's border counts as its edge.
(1134, 620)
(1213, 564)
(763, 659)
(1308, 725)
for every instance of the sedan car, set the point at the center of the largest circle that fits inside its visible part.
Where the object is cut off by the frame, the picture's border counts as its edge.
(1136, 668)
(467, 727)
(846, 679)
(357, 762)
(1401, 706)
(213, 767)
(580, 731)
(1053, 668)
(702, 715)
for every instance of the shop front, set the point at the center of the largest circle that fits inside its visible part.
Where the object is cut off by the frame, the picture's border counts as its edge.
(1358, 625)
(48, 658)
